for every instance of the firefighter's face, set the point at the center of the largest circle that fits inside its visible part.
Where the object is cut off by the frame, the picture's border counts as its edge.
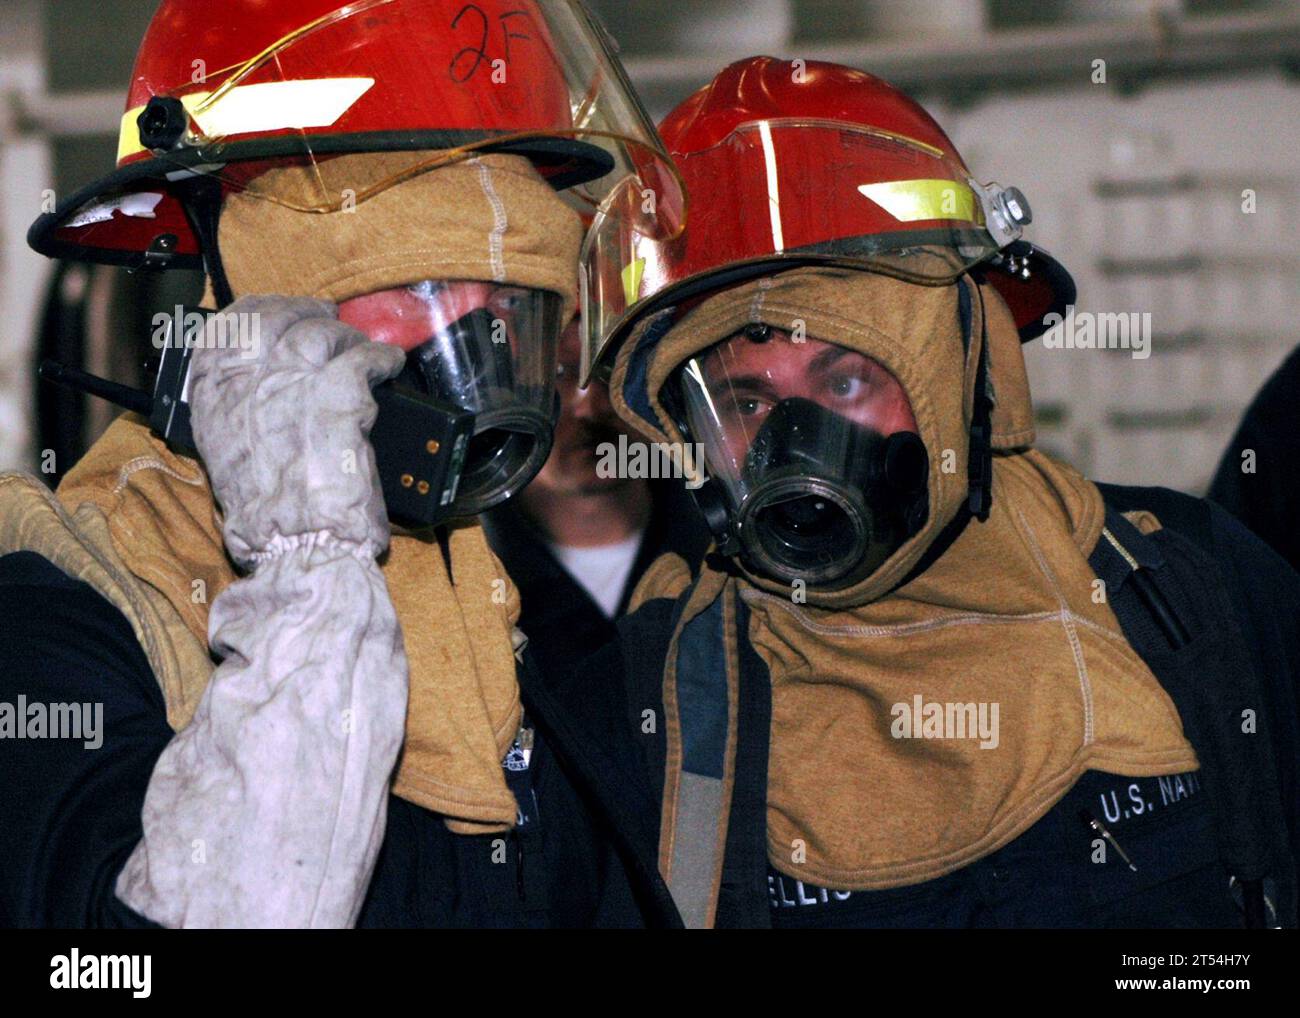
(747, 379)
(406, 316)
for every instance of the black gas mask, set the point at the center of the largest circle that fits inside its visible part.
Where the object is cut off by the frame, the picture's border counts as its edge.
(798, 489)
(504, 374)
(830, 520)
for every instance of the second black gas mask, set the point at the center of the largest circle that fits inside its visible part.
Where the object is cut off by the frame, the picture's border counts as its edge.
(827, 500)
(804, 485)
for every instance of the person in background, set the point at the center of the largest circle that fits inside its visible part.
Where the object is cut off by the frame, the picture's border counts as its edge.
(579, 538)
(1256, 480)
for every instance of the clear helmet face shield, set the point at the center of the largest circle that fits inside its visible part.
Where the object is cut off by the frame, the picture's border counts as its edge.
(486, 348)
(813, 450)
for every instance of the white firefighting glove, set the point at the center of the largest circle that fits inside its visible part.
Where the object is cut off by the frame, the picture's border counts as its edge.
(268, 810)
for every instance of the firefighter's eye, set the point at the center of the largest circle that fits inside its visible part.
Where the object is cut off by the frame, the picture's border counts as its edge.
(847, 386)
(509, 302)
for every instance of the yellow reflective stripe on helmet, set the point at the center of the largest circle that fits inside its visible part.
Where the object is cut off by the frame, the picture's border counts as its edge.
(265, 106)
(910, 200)
(633, 273)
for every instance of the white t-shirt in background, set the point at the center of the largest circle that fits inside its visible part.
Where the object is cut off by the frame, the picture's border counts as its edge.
(602, 571)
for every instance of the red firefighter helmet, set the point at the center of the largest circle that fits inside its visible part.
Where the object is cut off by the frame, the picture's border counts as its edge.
(792, 163)
(225, 91)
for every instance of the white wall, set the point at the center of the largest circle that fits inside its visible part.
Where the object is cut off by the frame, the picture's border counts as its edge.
(25, 171)
(1222, 322)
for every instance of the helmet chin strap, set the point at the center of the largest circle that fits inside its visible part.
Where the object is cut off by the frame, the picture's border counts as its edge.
(201, 196)
(979, 459)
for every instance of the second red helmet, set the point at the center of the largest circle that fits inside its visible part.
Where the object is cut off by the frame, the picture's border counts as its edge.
(791, 162)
